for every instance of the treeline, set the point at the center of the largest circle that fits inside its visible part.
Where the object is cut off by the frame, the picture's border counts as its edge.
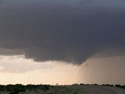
(15, 89)
(110, 85)
(117, 85)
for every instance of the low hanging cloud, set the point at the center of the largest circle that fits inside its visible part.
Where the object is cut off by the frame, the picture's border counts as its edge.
(70, 32)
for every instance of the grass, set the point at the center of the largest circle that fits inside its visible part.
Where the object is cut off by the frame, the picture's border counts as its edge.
(66, 90)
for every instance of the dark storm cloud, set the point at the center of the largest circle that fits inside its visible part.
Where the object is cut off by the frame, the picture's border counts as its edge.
(70, 32)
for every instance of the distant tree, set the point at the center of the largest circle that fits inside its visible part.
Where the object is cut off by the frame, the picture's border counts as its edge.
(120, 86)
(117, 85)
(108, 85)
(75, 84)
(95, 84)
(81, 84)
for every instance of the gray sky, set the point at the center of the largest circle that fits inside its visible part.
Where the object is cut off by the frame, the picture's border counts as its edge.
(60, 31)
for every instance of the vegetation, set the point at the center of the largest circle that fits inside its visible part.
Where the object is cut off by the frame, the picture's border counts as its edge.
(48, 89)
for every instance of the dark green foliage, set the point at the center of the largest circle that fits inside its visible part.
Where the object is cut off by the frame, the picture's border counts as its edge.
(108, 85)
(117, 85)
(2, 88)
(120, 86)
(15, 89)
(14, 92)
(73, 89)
(81, 84)
(41, 87)
(95, 84)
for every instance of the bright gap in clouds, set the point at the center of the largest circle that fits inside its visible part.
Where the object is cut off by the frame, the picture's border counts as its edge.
(101, 70)
(18, 69)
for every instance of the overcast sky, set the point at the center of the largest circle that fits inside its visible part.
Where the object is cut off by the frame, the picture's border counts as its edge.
(70, 32)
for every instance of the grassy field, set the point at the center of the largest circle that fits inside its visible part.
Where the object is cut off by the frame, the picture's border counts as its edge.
(66, 90)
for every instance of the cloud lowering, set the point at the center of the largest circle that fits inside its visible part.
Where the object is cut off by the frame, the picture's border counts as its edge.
(70, 31)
